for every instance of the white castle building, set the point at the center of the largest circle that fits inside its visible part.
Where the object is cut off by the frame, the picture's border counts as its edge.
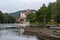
(23, 15)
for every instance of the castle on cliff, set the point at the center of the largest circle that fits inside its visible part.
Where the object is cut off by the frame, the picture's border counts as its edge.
(23, 15)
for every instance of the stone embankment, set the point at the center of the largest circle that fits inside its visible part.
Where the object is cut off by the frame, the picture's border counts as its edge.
(44, 33)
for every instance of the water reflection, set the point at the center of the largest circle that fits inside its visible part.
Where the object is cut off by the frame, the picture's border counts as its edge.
(14, 34)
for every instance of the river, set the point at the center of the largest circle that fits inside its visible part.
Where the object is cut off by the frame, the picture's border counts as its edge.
(14, 34)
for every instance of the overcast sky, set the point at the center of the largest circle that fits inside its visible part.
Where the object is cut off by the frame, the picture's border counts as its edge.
(16, 5)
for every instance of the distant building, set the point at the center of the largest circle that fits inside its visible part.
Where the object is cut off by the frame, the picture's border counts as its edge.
(17, 20)
(23, 15)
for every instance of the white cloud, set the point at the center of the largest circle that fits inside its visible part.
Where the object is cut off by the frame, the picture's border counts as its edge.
(15, 5)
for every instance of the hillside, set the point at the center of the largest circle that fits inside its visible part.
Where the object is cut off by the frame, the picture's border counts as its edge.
(17, 14)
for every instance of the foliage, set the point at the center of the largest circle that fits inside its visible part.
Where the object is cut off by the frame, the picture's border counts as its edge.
(5, 18)
(57, 11)
(31, 17)
(46, 13)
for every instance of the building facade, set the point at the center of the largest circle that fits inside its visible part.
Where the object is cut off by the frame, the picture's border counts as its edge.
(23, 15)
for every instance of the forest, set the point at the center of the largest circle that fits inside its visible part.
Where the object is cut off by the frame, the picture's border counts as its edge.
(6, 18)
(46, 14)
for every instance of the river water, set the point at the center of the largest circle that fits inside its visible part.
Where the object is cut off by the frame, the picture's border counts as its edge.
(14, 34)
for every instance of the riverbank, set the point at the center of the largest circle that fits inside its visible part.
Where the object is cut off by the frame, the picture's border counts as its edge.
(43, 33)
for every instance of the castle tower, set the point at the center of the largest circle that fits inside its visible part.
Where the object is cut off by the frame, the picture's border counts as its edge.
(22, 17)
(28, 12)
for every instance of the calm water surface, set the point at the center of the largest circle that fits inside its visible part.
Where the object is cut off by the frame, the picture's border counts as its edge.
(14, 34)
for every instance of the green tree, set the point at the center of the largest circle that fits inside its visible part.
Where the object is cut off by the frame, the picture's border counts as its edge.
(57, 11)
(31, 17)
(11, 19)
(5, 18)
(39, 16)
(1, 17)
(50, 14)
(44, 12)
